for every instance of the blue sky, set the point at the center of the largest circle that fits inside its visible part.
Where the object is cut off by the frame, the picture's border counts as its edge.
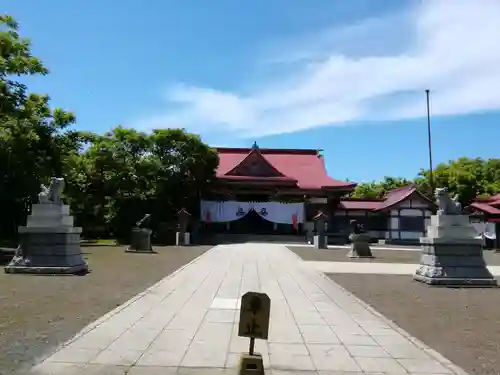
(344, 76)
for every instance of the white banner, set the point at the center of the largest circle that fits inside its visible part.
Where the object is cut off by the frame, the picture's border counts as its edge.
(486, 230)
(490, 231)
(276, 212)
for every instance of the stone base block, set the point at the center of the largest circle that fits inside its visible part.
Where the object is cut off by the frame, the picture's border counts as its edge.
(73, 270)
(355, 254)
(320, 241)
(455, 282)
(453, 264)
(182, 239)
(48, 252)
(49, 215)
(140, 241)
(134, 251)
(251, 364)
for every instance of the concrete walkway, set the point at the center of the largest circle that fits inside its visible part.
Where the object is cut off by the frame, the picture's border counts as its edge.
(187, 324)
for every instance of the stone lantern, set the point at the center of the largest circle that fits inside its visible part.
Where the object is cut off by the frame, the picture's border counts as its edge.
(182, 236)
(320, 240)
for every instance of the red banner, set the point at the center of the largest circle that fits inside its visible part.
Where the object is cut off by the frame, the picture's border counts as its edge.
(208, 218)
(294, 222)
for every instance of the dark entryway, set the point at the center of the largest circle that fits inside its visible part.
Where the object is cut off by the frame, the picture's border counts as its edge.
(252, 222)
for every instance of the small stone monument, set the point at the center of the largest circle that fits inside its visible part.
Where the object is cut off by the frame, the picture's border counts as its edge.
(255, 312)
(320, 240)
(182, 236)
(49, 243)
(452, 255)
(360, 242)
(140, 241)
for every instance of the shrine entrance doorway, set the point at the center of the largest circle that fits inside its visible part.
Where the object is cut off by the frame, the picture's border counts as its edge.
(252, 222)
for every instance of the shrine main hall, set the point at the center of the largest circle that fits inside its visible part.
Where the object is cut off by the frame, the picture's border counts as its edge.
(280, 191)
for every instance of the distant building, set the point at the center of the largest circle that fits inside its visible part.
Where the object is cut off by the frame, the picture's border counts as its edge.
(485, 215)
(401, 216)
(279, 191)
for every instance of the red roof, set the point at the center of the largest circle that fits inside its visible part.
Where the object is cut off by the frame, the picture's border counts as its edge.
(360, 204)
(489, 205)
(485, 207)
(396, 196)
(305, 168)
(392, 198)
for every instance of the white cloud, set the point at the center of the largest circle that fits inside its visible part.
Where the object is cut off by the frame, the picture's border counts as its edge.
(447, 46)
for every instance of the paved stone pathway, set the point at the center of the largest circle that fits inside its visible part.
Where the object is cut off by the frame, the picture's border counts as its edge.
(187, 324)
(373, 246)
(374, 268)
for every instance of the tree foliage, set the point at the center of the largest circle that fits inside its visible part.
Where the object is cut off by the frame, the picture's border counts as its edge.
(379, 189)
(34, 139)
(112, 179)
(126, 173)
(469, 178)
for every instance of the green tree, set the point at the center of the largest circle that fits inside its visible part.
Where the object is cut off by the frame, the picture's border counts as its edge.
(15, 60)
(34, 140)
(125, 174)
(379, 189)
(469, 178)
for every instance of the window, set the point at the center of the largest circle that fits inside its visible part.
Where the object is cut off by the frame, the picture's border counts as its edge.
(377, 222)
(412, 223)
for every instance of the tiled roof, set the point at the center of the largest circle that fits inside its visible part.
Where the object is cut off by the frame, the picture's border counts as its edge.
(392, 198)
(306, 167)
(359, 204)
(485, 207)
(396, 196)
(489, 205)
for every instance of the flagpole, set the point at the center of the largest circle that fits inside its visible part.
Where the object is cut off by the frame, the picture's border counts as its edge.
(429, 140)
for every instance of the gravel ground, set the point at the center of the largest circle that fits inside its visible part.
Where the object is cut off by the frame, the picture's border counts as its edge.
(381, 256)
(461, 324)
(39, 312)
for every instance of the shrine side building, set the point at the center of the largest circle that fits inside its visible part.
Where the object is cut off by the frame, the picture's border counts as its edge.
(279, 191)
(485, 216)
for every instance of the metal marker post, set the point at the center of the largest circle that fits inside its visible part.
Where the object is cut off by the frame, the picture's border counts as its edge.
(252, 346)
(254, 323)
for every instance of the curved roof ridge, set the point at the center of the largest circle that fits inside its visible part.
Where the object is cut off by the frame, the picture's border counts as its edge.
(278, 151)
(306, 167)
(398, 195)
(411, 186)
(256, 150)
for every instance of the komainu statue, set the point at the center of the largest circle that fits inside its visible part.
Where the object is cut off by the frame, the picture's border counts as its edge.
(52, 194)
(447, 205)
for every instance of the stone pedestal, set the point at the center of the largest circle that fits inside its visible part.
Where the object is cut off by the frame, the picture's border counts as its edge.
(49, 244)
(320, 241)
(452, 255)
(140, 241)
(251, 364)
(360, 246)
(182, 239)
